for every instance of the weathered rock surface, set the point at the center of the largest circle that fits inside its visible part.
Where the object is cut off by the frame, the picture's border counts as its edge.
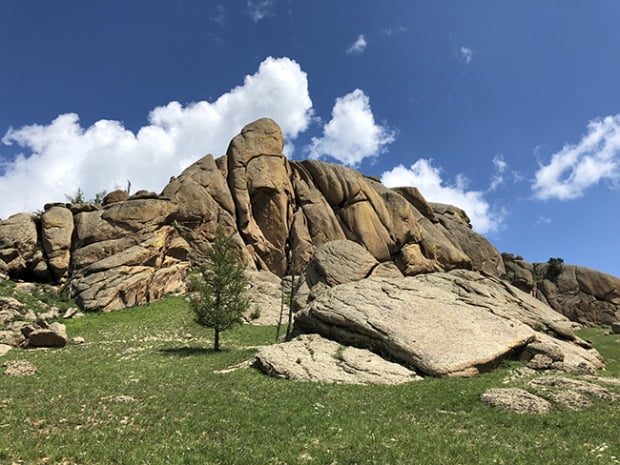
(584, 295)
(19, 368)
(265, 294)
(339, 262)
(313, 358)
(592, 390)
(19, 254)
(515, 400)
(137, 248)
(572, 393)
(127, 254)
(442, 324)
(56, 233)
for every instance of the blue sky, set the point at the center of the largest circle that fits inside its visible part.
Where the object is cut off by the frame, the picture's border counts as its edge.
(506, 109)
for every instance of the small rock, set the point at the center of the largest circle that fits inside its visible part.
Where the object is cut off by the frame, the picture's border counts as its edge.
(12, 338)
(571, 399)
(589, 389)
(19, 368)
(563, 329)
(130, 350)
(6, 316)
(10, 304)
(121, 398)
(77, 340)
(582, 368)
(70, 313)
(515, 400)
(519, 373)
(615, 327)
(540, 362)
(54, 336)
(26, 288)
(550, 350)
(4, 348)
(51, 314)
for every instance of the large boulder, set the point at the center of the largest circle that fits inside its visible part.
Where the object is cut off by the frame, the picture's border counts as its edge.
(48, 335)
(442, 324)
(56, 235)
(266, 293)
(20, 255)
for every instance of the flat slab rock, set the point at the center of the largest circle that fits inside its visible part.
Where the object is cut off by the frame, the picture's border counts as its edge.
(551, 391)
(441, 324)
(516, 400)
(311, 357)
(423, 326)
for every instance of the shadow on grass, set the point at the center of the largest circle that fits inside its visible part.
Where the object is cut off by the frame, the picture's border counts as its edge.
(191, 351)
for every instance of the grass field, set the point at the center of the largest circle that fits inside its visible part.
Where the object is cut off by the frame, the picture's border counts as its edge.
(139, 392)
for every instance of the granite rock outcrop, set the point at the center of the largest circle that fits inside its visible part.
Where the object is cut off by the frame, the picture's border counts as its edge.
(136, 248)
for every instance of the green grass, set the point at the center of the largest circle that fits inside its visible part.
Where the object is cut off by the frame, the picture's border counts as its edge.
(178, 409)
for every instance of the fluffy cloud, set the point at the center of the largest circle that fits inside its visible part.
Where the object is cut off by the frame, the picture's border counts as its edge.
(427, 178)
(60, 157)
(258, 9)
(352, 134)
(576, 168)
(358, 46)
(466, 54)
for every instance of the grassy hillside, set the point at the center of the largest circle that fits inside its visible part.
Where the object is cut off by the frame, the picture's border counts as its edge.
(139, 391)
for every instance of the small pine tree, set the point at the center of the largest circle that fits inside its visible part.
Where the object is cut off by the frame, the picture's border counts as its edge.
(78, 197)
(218, 299)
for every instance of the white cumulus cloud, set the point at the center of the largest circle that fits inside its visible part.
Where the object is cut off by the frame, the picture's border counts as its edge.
(352, 134)
(55, 159)
(575, 168)
(427, 178)
(358, 46)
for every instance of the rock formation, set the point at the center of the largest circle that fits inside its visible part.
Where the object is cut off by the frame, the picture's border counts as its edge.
(455, 323)
(582, 294)
(383, 269)
(135, 249)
